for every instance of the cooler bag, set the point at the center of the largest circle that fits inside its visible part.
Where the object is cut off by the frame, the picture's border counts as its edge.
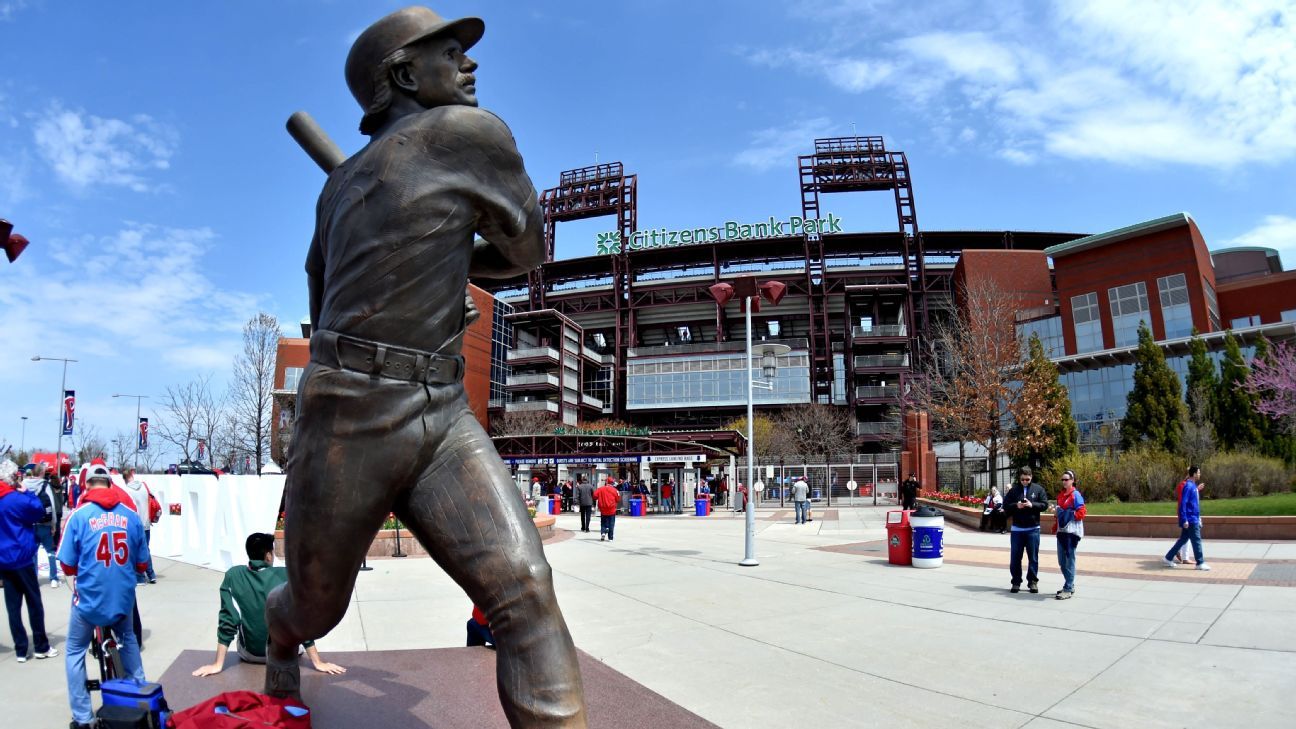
(242, 710)
(125, 692)
(124, 717)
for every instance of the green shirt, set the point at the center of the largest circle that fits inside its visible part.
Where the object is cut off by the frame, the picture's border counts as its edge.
(243, 599)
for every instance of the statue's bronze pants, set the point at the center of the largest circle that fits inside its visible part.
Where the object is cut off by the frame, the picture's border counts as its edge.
(363, 447)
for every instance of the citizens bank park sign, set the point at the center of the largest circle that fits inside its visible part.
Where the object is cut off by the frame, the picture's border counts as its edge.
(732, 230)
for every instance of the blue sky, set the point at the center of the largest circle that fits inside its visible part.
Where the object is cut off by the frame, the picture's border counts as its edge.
(142, 147)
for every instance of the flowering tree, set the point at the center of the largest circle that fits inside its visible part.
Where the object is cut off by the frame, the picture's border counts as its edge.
(1272, 381)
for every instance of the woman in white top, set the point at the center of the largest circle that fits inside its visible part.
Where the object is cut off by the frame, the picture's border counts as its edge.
(991, 516)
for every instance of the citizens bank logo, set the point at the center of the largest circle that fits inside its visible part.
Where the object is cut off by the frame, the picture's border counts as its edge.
(613, 242)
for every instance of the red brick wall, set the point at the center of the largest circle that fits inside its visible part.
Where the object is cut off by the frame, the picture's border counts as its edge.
(1023, 274)
(477, 353)
(1267, 296)
(1144, 258)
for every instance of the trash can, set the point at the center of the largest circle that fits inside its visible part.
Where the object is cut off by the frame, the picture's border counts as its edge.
(899, 538)
(699, 507)
(928, 537)
(636, 507)
(555, 504)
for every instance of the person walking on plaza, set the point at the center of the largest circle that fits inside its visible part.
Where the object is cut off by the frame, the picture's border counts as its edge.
(19, 510)
(800, 499)
(607, 498)
(1023, 506)
(909, 493)
(668, 497)
(567, 495)
(43, 487)
(1068, 525)
(1190, 520)
(585, 499)
(103, 548)
(242, 612)
(144, 507)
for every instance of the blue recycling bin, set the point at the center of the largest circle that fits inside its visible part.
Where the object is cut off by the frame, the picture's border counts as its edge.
(699, 507)
(636, 507)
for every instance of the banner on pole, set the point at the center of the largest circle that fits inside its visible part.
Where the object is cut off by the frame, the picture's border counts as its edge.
(69, 410)
(143, 434)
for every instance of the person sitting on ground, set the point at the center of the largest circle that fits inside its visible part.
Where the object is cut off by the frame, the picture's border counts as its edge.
(992, 514)
(479, 632)
(242, 614)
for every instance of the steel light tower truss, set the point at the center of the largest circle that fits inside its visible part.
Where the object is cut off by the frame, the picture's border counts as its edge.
(858, 164)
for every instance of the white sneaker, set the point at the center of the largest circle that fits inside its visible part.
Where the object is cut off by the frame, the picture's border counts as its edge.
(49, 653)
(22, 659)
(54, 584)
(1168, 563)
(1204, 567)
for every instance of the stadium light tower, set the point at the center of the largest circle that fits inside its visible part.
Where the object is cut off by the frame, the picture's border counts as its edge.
(751, 293)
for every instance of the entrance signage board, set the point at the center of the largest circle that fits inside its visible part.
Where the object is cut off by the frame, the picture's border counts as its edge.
(613, 242)
(675, 459)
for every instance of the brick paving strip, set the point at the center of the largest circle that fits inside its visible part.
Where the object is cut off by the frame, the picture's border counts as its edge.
(1269, 572)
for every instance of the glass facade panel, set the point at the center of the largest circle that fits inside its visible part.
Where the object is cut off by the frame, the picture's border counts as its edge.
(291, 377)
(501, 343)
(1289, 315)
(1049, 332)
(1088, 322)
(839, 378)
(1129, 308)
(1174, 306)
(1212, 305)
(712, 380)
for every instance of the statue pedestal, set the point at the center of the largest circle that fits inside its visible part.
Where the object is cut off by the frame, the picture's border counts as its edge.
(445, 688)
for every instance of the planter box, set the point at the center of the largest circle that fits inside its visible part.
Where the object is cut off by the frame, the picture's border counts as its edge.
(384, 543)
(1266, 528)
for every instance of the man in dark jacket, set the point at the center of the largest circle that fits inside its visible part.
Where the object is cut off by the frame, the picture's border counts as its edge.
(1023, 506)
(909, 492)
(19, 510)
(585, 500)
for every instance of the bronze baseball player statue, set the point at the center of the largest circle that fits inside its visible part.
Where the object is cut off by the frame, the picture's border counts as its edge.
(382, 420)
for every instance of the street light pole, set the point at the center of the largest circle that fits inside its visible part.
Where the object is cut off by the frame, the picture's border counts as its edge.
(58, 452)
(22, 447)
(749, 543)
(138, 398)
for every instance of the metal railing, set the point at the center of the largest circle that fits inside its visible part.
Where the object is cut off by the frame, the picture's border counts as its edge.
(881, 360)
(532, 352)
(592, 401)
(532, 379)
(877, 429)
(880, 330)
(712, 347)
(531, 406)
(874, 392)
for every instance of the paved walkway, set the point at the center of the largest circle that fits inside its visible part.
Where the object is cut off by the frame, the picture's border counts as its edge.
(825, 633)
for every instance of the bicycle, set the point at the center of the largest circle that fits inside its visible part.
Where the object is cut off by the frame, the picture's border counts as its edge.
(104, 649)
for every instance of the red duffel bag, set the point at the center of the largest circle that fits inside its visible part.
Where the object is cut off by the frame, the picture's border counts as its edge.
(242, 710)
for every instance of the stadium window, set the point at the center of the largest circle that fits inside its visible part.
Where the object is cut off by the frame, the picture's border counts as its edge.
(291, 377)
(600, 340)
(1175, 310)
(773, 327)
(1245, 321)
(1088, 322)
(685, 336)
(1289, 315)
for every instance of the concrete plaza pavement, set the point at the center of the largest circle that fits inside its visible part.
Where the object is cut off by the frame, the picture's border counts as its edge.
(824, 632)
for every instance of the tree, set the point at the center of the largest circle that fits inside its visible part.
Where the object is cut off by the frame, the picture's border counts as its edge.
(528, 422)
(1272, 382)
(250, 399)
(1154, 409)
(770, 440)
(814, 429)
(1238, 423)
(88, 444)
(123, 450)
(1202, 383)
(1044, 430)
(187, 415)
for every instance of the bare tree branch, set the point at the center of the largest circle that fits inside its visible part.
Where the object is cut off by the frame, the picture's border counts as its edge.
(250, 392)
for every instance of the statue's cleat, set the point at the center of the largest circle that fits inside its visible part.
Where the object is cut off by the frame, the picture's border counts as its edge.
(283, 679)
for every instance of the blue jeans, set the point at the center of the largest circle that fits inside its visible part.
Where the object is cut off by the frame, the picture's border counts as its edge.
(1028, 541)
(142, 577)
(80, 633)
(22, 584)
(802, 507)
(1191, 534)
(45, 538)
(606, 525)
(1066, 550)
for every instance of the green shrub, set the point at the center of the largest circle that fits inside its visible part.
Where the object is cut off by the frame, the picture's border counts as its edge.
(1141, 474)
(1237, 474)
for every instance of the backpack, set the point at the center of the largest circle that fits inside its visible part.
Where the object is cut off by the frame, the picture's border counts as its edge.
(154, 506)
(47, 502)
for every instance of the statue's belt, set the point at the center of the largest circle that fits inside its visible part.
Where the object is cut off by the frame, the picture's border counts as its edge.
(380, 360)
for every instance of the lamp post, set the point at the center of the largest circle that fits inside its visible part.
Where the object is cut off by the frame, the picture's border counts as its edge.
(895, 458)
(58, 452)
(751, 293)
(22, 446)
(138, 398)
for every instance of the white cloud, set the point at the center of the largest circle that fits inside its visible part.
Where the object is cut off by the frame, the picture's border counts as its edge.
(776, 146)
(1274, 231)
(88, 151)
(138, 297)
(1205, 83)
(10, 8)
